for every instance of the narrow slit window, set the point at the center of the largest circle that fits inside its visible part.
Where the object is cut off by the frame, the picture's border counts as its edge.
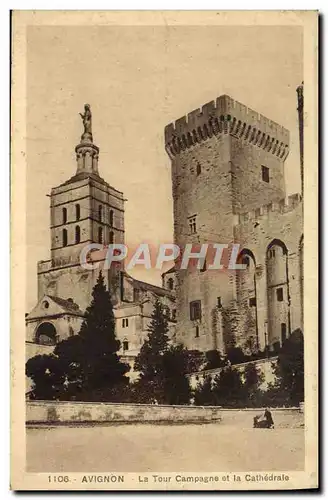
(283, 332)
(265, 174)
(111, 218)
(252, 302)
(64, 237)
(77, 234)
(195, 310)
(280, 294)
(100, 234)
(192, 224)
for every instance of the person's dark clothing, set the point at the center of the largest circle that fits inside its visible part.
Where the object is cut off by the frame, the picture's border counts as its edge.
(268, 417)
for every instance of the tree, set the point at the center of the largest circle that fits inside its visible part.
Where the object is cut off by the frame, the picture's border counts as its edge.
(100, 366)
(47, 375)
(203, 395)
(163, 367)
(195, 360)
(253, 379)
(228, 388)
(236, 355)
(290, 369)
(214, 359)
(177, 389)
(149, 361)
(85, 366)
(288, 387)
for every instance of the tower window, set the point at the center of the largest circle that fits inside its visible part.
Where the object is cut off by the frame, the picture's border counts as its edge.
(170, 283)
(125, 322)
(204, 267)
(192, 224)
(125, 345)
(77, 234)
(199, 169)
(283, 332)
(280, 294)
(174, 314)
(64, 237)
(64, 215)
(219, 302)
(111, 218)
(77, 212)
(252, 302)
(100, 208)
(111, 238)
(197, 331)
(265, 174)
(100, 234)
(195, 310)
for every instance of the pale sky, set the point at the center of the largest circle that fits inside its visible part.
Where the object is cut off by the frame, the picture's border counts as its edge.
(137, 80)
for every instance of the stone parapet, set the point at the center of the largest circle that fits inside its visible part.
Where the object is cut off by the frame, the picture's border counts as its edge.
(226, 116)
(282, 206)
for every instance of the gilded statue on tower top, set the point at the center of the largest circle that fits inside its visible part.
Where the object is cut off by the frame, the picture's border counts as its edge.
(87, 123)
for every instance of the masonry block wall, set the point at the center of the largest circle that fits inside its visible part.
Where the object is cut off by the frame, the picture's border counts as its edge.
(278, 228)
(227, 160)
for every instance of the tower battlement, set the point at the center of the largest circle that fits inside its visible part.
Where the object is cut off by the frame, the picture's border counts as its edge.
(226, 116)
(282, 206)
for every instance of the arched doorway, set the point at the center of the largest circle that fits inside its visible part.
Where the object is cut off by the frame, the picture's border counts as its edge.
(247, 300)
(46, 334)
(277, 292)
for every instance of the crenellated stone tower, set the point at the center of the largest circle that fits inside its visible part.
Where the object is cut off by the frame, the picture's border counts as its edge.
(228, 160)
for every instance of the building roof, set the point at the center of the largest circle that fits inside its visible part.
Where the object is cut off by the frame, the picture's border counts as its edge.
(67, 304)
(171, 270)
(157, 290)
(84, 175)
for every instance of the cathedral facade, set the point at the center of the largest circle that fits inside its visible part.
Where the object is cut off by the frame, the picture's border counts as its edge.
(85, 209)
(228, 187)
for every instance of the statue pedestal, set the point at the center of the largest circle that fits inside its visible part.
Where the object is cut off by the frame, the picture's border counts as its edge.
(87, 155)
(86, 138)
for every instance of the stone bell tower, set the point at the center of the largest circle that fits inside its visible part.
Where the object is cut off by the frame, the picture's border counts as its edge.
(84, 209)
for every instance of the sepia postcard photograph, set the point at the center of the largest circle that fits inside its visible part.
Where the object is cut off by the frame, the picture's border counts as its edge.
(164, 250)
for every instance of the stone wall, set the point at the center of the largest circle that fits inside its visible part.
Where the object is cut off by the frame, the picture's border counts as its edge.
(282, 223)
(264, 366)
(75, 413)
(48, 412)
